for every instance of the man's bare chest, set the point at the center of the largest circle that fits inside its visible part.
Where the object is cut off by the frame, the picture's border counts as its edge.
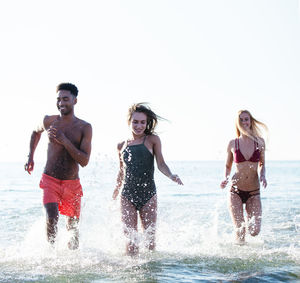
(72, 131)
(74, 134)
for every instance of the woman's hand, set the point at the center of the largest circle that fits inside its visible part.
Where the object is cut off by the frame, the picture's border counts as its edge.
(115, 193)
(263, 180)
(224, 183)
(175, 178)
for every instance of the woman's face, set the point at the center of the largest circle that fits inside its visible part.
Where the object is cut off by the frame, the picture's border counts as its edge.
(245, 121)
(138, 123)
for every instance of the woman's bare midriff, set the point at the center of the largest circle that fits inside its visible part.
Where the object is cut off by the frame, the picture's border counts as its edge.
(246, 176)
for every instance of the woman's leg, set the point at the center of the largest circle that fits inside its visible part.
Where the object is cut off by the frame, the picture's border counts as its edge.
(129, 218)
(148, 214)
(236, 211)
(254, 212)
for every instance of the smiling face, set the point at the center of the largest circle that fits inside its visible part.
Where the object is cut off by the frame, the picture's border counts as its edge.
(65, 102)
(245, 121)
(138, 123)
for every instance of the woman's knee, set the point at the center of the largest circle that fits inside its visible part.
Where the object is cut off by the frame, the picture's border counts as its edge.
(254, 228)
(254, 231)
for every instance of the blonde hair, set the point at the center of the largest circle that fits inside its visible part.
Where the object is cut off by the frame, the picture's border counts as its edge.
(256, 127)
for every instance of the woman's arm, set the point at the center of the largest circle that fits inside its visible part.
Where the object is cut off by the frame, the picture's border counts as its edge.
(161, 164)
(120, 176)
(228, 166)
(262, 168)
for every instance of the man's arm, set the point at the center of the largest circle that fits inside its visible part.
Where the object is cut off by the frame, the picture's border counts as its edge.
(81, 155)
(34, 140)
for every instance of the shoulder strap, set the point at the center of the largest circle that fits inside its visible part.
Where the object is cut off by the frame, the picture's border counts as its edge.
(144, 139)
(236, 143)
(125, 144)
(255, 144)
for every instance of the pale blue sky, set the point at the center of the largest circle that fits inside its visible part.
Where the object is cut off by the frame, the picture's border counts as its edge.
(196, 62)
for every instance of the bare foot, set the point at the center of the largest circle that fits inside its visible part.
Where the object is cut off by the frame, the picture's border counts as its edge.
(132, 250)
(240, 242)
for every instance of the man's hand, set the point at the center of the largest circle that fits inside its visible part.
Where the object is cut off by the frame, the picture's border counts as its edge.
(29, 165)
(56, 134)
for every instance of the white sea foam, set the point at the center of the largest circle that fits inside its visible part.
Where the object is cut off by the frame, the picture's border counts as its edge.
(194, 230)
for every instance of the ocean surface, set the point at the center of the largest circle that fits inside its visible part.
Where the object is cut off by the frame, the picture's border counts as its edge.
(195, 240)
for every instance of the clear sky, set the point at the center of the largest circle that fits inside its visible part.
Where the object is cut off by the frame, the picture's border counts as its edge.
(196, 62)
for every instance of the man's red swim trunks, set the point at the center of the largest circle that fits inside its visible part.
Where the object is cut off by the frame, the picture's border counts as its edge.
(67, 193)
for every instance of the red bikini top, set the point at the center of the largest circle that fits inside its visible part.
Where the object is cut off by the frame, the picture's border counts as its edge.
(239, 157)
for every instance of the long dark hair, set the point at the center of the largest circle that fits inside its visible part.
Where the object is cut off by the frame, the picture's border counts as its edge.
(152, 118)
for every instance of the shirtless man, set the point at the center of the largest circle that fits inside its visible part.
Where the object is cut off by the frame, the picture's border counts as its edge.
(69, 145)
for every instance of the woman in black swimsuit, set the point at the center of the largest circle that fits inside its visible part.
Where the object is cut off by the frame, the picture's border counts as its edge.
(248, 153)
(135, 177)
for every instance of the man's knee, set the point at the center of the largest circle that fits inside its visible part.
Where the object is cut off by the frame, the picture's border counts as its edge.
(72, 223)
(52, 210)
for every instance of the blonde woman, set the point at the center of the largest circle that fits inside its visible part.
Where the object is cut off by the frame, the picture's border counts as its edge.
(247, 151)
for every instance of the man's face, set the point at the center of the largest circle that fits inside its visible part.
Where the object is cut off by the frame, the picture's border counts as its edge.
(65, 102)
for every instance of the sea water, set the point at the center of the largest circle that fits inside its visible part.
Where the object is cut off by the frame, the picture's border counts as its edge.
(195, 239)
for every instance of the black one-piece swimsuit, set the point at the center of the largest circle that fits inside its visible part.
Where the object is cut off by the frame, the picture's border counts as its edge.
(139, 186)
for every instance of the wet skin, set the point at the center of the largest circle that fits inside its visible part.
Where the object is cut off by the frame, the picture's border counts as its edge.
(60, 164)
(148, 213)
(69, 146)
(245, 178)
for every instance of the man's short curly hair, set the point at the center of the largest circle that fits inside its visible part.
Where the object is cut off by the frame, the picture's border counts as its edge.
(68, 86)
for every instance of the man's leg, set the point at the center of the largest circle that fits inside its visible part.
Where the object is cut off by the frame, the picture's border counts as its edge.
(51, 222)
(72, 226)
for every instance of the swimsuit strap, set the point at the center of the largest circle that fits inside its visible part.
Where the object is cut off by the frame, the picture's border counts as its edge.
(236, 142)
(136, 144)
(126, 143)
(255, 144)
(144, 139)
